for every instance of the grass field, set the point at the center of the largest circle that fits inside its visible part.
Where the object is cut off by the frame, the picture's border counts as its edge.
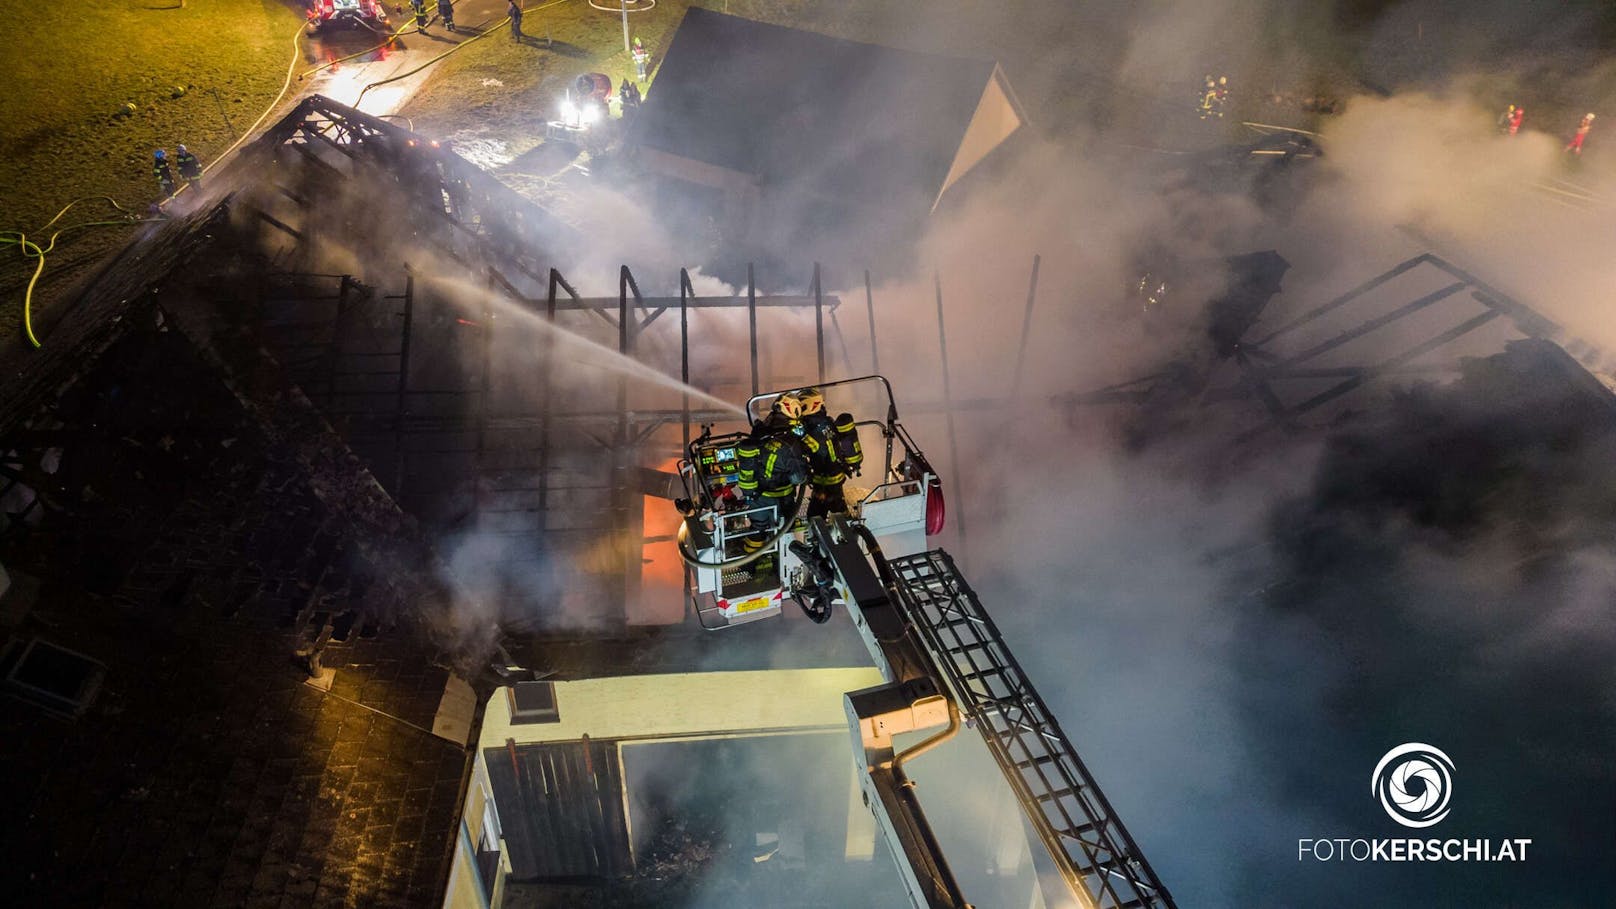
(196, 70)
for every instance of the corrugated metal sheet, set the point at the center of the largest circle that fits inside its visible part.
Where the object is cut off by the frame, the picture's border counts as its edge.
(561, 807)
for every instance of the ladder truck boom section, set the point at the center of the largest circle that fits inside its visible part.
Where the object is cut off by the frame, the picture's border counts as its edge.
(942, 659)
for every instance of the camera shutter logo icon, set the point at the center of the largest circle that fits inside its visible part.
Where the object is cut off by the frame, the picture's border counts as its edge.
(1414, 782)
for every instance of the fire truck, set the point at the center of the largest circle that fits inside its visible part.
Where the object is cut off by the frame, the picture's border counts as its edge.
(327, 14)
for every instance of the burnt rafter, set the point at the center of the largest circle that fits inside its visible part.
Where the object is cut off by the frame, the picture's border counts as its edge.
(490, 222)
(1485, 304)
(415, 391)
(1346, 352)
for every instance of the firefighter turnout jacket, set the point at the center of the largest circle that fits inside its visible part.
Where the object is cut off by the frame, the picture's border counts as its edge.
(773, 466)
(773, 462)
(190, 167)
(164, 175)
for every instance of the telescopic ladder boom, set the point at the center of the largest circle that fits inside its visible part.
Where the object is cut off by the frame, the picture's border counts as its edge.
(955, 654)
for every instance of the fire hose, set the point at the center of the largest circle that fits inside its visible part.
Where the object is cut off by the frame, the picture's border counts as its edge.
(694, 561)
(472, 40)
(32, 250)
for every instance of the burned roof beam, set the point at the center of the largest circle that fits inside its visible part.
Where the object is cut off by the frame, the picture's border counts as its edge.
(1414, 352)
(1348, 297)
(1265, 393)
(275, 222)
(1380, 321)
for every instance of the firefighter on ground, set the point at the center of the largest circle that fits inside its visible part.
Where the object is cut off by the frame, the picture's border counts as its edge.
(419, 6)
(513, 8)
(628, 94)
(642, 58)
(773, 465)
(833, 450)
(446, 13)
(1575, 145)
(190, 168)
(163, 173)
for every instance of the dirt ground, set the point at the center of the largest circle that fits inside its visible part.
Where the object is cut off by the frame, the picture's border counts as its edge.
(196, 71)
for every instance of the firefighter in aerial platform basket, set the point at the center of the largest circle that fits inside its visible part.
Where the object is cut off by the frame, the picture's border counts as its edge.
(833, 451)
(773, 466)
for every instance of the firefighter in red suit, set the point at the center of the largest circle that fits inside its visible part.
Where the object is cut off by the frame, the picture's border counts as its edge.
(1575, 145)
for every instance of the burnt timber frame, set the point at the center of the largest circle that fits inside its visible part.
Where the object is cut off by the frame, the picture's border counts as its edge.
(363, 353)
(1264, 374)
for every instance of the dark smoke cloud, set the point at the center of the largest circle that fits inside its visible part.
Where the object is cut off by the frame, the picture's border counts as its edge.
(1449, 564)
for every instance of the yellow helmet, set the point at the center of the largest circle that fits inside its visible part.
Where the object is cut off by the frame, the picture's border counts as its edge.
(813, 401)
(788, 405)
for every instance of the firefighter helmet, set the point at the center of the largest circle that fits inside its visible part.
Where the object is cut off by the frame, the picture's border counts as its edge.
(813, 401)
(160, 154)
(789, 406)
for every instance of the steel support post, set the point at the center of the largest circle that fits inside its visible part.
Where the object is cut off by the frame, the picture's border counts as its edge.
(685, 293)
(334, 355)
(819, 324)
(751, 321)
(399, 404)
(869, 306)
(485, 393)
(625, 494)
(547, 397)
(948, 408)
(1026, 329)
